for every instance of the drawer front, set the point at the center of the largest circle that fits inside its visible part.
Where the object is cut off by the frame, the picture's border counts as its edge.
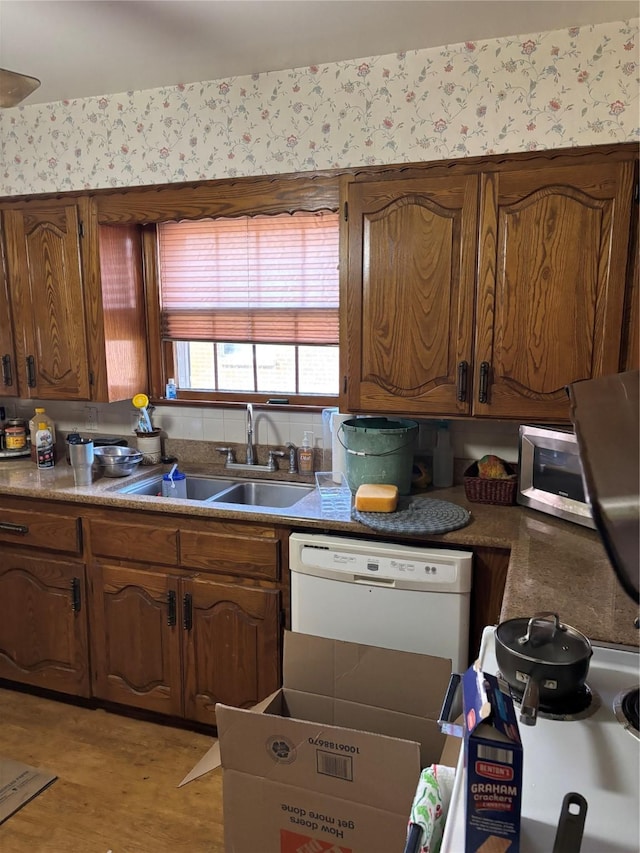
(52, 531)
(139, 542)
(250, 556)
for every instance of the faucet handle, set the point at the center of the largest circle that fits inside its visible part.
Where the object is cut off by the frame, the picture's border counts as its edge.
(293, 458)
(229, 451)
(272, 464)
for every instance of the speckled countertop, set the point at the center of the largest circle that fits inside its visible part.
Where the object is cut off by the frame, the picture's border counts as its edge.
(554, 565)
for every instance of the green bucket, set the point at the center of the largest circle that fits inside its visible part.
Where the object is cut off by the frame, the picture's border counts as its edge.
(379, 450)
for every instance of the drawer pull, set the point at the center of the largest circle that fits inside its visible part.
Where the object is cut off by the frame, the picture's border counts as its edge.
(10, 527)
(171, 608)
(75, 595)
(187, 612)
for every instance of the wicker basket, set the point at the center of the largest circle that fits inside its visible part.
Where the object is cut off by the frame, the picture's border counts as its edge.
(490, 491)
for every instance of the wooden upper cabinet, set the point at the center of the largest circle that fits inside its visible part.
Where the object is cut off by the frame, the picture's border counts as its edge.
(46, 292)
(552, 268)
(408, 294)
(76, 296)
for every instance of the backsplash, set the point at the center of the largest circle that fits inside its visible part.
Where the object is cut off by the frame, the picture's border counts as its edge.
(470, 439)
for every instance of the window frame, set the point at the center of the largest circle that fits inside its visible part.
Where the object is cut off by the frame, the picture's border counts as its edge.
(237, 197)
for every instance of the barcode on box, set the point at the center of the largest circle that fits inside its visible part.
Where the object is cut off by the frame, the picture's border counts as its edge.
(494, 753)
(330, 764)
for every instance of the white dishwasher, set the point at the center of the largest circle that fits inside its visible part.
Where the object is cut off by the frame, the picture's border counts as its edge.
(402, 597)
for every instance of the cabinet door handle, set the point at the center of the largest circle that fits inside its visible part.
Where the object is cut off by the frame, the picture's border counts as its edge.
(483, 391)
(463, 367)
(7, 378)
(31, 371)
(10, 527)
(171, 608)
(75, 595)
(187, 612)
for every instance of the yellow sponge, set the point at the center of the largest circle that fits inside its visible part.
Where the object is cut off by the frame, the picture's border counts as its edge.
(372, 497)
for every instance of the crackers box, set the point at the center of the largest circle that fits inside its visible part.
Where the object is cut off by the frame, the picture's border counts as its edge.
(493, 760)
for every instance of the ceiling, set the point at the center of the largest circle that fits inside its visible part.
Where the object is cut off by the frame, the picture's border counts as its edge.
(82, 48)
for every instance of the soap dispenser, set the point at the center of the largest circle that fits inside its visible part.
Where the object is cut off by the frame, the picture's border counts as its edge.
(305, 455)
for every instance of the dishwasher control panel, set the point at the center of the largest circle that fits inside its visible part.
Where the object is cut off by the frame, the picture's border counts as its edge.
(358, 560)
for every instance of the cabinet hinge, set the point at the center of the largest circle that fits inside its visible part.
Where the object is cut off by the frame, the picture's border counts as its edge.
(81, 228)
(346, 211)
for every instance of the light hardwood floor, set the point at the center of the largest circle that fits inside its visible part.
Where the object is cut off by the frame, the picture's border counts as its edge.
(116, 788)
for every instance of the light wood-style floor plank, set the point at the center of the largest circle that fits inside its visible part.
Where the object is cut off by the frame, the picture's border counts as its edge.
(116, 788)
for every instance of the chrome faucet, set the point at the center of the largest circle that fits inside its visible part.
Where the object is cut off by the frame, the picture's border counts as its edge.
(250, 460)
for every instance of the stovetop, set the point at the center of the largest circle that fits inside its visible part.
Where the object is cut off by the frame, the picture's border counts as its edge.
(593, 755)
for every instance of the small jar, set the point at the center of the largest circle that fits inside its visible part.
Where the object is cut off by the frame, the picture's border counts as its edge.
(15, 433)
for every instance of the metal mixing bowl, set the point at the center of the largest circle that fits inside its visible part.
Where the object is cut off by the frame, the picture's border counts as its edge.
(117, 461)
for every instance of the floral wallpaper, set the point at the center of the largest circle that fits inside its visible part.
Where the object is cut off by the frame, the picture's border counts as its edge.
(543, 90)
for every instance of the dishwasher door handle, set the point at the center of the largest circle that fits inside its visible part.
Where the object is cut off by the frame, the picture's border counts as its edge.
(371, 581)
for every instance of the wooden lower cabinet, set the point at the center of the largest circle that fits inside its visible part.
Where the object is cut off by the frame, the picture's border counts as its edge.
(231, 645)
(135, 642)
(43, 622)
(178, 644)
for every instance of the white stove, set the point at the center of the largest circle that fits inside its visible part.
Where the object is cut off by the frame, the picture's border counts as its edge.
(591, 753)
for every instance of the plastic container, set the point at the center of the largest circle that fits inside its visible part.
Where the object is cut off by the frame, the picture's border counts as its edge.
(305, 455)
(44, 446)
(379, 450)
(175, 485)
(171, 390)
(39, 417)
(443, 457)
(335, 494)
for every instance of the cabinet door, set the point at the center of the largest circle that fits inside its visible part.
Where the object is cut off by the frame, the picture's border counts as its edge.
(135, 640)
(231, 646)
(551, 289)
(46, 292)
(43, 622)
(8, 383)
(409, 294)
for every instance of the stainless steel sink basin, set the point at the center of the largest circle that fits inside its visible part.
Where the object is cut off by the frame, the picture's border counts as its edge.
(263, 494)
(198, 488)
(214, 490)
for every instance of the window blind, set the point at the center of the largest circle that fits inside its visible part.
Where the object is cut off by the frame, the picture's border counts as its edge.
(265, 279)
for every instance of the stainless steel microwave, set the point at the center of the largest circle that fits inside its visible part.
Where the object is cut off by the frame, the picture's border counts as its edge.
(550, 474)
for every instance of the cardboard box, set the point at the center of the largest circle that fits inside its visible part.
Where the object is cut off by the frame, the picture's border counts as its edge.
(331, 761)
(493, 761)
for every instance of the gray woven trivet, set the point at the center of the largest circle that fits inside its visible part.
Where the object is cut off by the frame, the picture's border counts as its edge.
(416, 515)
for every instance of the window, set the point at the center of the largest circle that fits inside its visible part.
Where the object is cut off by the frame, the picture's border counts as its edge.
(249, 304)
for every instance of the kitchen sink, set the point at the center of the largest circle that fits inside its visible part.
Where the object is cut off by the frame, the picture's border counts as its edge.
(256, 493)
(218, 490)
(198, 488)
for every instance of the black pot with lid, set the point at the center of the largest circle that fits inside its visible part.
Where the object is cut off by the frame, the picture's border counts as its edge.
(543, 660)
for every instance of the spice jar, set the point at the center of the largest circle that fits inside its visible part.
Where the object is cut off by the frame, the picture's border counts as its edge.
(15, 433)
